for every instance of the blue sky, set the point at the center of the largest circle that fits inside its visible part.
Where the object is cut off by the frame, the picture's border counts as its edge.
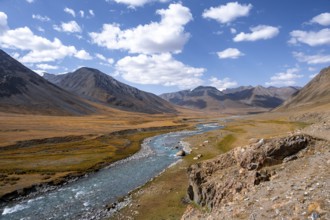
(164, 46)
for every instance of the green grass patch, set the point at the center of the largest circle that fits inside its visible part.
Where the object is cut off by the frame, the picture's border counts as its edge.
(276, 122)
(234, 129)
(226, 143)
(293, 124)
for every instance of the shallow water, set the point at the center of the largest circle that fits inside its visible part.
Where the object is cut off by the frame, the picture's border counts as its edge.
(87, 196)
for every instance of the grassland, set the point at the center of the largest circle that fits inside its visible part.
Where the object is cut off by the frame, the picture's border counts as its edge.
(75, 145)
(36, 149)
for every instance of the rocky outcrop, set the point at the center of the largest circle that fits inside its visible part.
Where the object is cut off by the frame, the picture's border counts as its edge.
(226, 185)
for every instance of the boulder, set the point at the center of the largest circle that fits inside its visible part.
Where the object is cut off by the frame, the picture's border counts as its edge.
(181, 153)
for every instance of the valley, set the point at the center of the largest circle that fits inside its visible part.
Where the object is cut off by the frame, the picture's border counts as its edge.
(164, 110)
(63, 135)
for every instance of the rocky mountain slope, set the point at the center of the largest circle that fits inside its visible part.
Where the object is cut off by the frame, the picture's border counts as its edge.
(24, 91)
(279, 178)
(99, 87)
(247, 97)
(316, 92)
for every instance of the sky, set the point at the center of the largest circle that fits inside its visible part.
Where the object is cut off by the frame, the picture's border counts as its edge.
(164, 46)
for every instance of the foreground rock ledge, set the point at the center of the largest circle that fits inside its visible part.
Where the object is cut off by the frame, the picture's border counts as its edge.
(273, 179)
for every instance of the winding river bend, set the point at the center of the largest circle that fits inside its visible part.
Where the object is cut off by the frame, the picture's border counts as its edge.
(87, 197)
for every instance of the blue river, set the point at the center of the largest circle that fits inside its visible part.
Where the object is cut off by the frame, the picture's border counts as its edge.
(88, 197)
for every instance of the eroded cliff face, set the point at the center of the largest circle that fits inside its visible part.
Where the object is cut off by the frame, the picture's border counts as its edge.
(276, 178)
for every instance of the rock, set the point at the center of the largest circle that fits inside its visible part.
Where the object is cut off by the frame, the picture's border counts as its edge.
(253, 140)
(244, 172)
(252, 166)
(260, 142)
(290, 158)
(181, 153)
(315, 216)
(198, 156)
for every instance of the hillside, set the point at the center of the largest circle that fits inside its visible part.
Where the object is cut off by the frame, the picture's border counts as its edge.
(97, 86)
(315, 93)
(247, 97)
(24, 91)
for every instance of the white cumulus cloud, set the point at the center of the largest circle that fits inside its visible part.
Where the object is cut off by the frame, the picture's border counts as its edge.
(322, 19)
(157, 37)
(230, 53)
(40, 49)
(83, 55)
(312, 59)
(70, 11)
(91, 12)
(222, 84)
(287, 78)
(233, 30)
(260, 32)
(3, 22)
(40, 17)
(227, 13)
(70, 27)
(137, 3)
(45, 66)
(30, 1)
(103, 58)
(36, 48)
(100, 56)
(82, 13)
(160, 69)
(311, 38)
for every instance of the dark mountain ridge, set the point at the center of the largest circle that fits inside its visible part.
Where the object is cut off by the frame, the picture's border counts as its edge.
(206, 97)
(24, 91)
(97, 86)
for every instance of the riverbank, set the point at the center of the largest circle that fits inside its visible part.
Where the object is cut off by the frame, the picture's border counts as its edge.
(165, 196)
(87, 197)
(127, 143)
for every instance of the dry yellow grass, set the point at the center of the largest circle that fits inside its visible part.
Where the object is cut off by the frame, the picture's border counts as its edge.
(24, 127)
(83, 144)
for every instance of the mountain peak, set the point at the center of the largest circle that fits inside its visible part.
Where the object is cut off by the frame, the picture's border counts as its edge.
(24, 91)
(97, 86)
(205, 88)
(243, 97)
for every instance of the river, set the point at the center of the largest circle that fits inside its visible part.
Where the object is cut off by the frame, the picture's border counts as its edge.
(87, 197)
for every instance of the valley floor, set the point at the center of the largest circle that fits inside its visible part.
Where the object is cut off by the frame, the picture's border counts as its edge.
(166, 196)
(49, 149)
(72, 146)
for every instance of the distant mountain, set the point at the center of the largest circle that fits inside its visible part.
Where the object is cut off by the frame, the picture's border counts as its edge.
(24, 91)
(260, 96)
(316, 92)
(99, 87)
(245, 97)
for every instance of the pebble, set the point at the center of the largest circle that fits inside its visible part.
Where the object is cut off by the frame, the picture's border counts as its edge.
(274, 198)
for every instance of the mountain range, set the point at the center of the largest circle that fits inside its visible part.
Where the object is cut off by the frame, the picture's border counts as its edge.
(99, 87)
(83, 91)
(245, 97)
(24, 91)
